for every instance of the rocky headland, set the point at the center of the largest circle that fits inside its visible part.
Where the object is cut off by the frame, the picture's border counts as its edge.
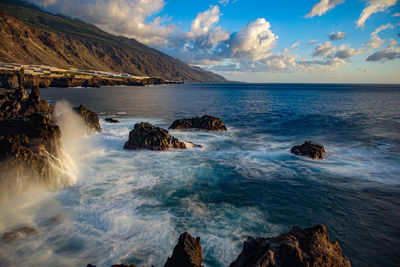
(311, 149)
(90, 119)
(146, 136)
(205, 122)
(309, 247)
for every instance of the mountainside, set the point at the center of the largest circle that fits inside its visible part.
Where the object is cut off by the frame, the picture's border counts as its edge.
(30, 35)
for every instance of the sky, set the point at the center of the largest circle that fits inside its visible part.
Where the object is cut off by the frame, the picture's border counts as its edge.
(332, 41)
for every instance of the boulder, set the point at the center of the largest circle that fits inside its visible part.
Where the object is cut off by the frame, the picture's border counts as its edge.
(90, 118)
(19, 233)
(206, 122)
(111, 120)
(146, 136)
(187, 253)
(310, 247)
(309, 148)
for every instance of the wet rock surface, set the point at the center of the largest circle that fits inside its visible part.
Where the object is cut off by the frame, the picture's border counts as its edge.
(111, 120)
(90, 118)
(30, 143)
(311, 149)
(146, 136)
(205, 122)
(187, 253)
(18, 233)
(310, 247)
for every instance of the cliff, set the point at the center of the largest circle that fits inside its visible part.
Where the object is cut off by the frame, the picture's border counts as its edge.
(32, 36)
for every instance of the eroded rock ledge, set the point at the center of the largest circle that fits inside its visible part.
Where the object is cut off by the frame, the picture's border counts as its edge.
(146, 136)
(205, 122)
(309, 247)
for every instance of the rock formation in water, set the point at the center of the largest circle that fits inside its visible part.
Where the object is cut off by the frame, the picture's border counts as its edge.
(310, 247)
(309, 148)
(19, 233)
(30, 143)
(111, 120)
(187, 253)
(206, 122)
(90, 119)
(146, 136)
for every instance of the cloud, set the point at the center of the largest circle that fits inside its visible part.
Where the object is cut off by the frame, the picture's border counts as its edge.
(324, 50)
(295, 44)
(374, 6)
(363, 70)
(395, 15)
(389, 53)
(312, 41)
(337, 36)
(255, 40)
(345, 52)
(375, 40)
(322, 7)
(122, 17)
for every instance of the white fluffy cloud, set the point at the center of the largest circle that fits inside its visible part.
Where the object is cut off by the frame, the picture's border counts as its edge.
(345, 51)
(375, 40)
(324, 50)
(374, 6)
(337, 36)
(255, 40)
(322, 7)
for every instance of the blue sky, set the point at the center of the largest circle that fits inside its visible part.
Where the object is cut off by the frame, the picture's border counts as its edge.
(260, 40)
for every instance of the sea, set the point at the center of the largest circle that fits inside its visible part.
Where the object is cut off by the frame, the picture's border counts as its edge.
(129, 206)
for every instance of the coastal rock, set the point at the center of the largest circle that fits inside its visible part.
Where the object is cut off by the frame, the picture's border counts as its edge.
(90, 118)
(30, 144)
(309, 148)
(111, 120)
(187, 253)
(146, 136)
(19, 233)
(206, 122)
(310, 247)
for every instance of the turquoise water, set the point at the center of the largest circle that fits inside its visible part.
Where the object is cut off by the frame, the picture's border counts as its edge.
(130, 206)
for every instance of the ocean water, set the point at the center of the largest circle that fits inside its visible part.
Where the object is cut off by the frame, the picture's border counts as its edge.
(131, 206)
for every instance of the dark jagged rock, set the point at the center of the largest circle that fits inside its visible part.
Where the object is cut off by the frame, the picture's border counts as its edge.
(146, 136)
(16, 234)
(111, 120)
(309, 148)
(206, 122)
(187, 253)
(123, 265)
(30, 144)
(310, 247)
(90, 118)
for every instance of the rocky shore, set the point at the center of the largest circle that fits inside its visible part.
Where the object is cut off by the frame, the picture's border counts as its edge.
(310, 247)
(16, 79)
(31, 149)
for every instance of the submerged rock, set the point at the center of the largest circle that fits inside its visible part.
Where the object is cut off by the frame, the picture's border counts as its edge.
(206, 122)
(90, 118)
(146, 136)
(310, 247)
(111, 120)
(309, 148)
(19, 233)
(187, 253)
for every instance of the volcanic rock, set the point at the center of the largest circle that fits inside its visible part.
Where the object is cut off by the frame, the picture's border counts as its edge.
(111, 120)
(18, 233)
(187, 253)
(206, 122)
(310, 247)
(90, 118)
(146, 136)
(309, 148)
